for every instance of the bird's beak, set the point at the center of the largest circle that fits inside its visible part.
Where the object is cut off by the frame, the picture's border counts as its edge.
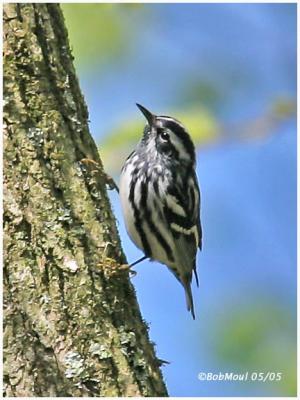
(148, 115)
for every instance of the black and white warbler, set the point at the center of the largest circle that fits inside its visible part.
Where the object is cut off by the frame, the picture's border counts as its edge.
(160, 198)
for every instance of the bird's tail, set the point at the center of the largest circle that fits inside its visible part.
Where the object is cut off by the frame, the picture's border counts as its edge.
(189, 298)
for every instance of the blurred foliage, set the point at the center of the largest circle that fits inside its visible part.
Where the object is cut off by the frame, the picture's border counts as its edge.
(99, 33)
(280, 110)
(260, 337)
(283, 107)
(117, 145)
(196, 90)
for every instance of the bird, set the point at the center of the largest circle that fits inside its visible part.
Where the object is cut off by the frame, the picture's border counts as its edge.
(160, 198)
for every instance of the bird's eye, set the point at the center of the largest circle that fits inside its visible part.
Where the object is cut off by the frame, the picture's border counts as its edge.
(164, 135)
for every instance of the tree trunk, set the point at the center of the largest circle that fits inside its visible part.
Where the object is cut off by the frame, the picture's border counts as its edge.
(72, 322)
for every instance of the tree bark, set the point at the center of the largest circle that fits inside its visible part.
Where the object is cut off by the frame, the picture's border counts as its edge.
(72, 323)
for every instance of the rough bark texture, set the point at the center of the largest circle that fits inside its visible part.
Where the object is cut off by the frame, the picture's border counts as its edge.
(72, 323)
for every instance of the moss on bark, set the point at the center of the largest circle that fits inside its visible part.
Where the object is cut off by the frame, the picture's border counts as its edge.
(72, 325)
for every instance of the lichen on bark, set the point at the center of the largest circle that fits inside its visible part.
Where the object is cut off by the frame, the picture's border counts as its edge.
(72, 326)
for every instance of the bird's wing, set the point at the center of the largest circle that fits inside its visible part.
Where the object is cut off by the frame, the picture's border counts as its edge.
(182, 211)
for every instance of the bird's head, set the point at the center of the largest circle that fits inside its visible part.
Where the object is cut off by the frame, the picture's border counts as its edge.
(167, 136)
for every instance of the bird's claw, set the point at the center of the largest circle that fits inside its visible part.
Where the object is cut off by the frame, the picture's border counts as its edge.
(109, 181)
(127, 267)
(89, 161)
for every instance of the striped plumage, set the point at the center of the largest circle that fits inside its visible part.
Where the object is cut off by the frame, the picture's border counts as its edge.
(161, 200)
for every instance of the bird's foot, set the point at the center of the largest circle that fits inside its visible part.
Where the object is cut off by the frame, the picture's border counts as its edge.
(88, 161)
(127, 268)
(109, 181)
